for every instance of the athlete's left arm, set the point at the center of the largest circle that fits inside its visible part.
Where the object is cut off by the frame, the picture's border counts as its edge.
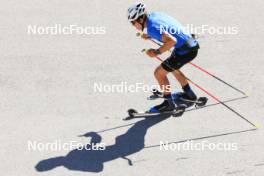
(169, 42)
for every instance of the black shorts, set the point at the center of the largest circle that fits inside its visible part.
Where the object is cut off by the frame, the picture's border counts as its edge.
(176, 61)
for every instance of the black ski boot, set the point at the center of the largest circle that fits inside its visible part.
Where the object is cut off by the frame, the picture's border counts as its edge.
(188, 95)
(166, 106)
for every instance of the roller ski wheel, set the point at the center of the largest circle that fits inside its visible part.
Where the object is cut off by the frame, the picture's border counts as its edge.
(201, 102)
(131, 112)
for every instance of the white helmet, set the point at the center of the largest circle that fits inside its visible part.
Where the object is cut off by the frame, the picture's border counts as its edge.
(135, 11)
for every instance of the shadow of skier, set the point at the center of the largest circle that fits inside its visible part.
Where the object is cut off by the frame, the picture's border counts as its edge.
(93, 160)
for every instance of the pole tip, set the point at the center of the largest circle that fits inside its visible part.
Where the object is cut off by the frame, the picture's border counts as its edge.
(257, 126)
(247, 94)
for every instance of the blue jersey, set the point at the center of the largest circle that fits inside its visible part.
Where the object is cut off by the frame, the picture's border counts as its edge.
(160, 23)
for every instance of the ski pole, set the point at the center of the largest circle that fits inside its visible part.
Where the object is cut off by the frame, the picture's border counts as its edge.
(219, 79)
(211, 95)
(202, 69)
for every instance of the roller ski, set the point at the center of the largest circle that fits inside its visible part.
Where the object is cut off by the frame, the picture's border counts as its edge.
(176, 112)
(168, 107)
(181, 98)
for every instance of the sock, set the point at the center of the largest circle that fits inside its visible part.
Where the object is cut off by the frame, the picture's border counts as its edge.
(186, 88)
(189, 93)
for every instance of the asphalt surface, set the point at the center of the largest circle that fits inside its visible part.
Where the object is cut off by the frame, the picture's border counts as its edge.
(47, 92)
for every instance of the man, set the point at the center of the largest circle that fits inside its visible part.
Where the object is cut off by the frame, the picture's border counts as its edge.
(171, 33)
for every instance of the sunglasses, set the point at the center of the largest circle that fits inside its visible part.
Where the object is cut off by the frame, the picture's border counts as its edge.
(133, 22)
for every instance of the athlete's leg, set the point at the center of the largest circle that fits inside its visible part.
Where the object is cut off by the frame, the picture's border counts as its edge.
(189, 94)
(180, 77)
(161, 76)
(167, 105)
